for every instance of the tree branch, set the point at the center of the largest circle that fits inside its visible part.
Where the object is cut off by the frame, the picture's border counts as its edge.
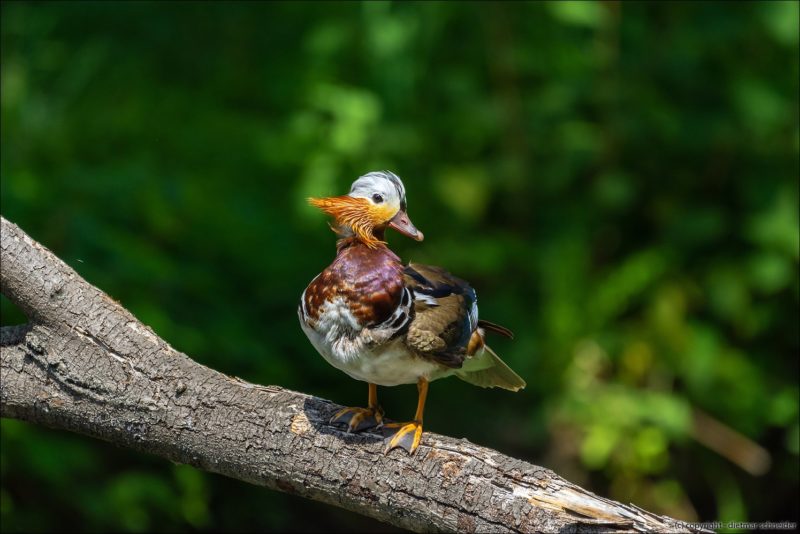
(85, 364)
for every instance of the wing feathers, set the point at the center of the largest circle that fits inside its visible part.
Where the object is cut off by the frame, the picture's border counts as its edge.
(443, 306)
(440, 322)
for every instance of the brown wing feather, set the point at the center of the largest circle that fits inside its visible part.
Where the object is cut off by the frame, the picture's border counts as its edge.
(442, 328)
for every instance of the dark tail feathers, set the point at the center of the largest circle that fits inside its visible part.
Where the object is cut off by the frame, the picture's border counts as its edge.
(496, 328)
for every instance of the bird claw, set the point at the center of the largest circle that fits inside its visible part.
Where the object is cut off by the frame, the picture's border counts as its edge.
(402, 435)
(358, 419)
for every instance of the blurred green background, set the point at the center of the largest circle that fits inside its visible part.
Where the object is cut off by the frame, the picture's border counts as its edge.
(619, 182)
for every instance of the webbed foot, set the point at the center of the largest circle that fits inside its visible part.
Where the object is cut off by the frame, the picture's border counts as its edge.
(404, 435)
(358, 419)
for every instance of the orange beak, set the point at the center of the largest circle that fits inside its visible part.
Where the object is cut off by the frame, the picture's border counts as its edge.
(403, 224)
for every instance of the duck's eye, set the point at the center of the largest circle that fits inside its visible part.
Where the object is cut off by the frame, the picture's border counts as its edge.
(377, 199)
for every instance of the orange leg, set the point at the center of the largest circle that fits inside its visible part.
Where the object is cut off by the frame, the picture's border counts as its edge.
(408, 435)
(361, 418)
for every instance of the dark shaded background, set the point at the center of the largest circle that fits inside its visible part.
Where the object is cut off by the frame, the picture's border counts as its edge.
(619, 181)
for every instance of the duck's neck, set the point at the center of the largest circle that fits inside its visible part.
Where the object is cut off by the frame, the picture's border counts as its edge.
(351, 239)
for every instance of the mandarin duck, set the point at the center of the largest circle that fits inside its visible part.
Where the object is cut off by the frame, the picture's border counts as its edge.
(388, 324)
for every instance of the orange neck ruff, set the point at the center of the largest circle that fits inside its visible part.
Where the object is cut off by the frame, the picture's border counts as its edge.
(358, 214)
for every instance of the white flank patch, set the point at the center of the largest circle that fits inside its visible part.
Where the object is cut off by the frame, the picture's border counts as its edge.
(365, 354)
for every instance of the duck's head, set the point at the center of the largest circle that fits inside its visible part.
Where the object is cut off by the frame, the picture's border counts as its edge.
(376, 201)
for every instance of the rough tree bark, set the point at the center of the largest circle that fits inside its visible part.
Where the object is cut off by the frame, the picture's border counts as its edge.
(85, 364)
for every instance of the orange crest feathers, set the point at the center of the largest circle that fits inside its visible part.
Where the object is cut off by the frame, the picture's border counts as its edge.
(354, 213)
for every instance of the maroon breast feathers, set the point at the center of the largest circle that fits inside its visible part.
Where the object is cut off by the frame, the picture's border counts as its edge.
(369, 280)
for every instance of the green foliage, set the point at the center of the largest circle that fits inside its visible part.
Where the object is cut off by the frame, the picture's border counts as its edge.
(619, 181)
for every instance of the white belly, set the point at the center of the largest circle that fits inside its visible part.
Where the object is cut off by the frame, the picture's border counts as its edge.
(362, 356)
